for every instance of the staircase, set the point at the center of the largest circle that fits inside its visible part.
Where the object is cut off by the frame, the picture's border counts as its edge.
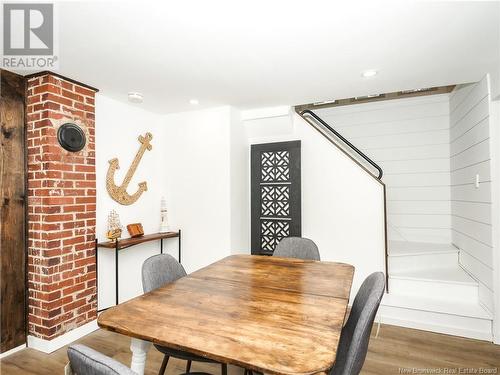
(430, 290)
(427, 287)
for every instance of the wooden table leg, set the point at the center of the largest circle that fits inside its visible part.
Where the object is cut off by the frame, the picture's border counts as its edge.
(139, 350)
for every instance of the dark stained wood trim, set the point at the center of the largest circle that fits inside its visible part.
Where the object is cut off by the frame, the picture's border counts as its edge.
(13, 191)
(386, 96)
(26, 212)
(386, 244)
(45, 72)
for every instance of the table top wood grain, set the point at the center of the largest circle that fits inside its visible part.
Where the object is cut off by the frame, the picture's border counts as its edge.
(269, 314)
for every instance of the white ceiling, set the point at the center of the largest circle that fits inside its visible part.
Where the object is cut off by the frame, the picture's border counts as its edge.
(264, 53)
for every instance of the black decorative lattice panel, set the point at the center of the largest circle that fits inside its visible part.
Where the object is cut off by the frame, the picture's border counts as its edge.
(275, 200)
(275, 166)
(272, 231)
(275, 194)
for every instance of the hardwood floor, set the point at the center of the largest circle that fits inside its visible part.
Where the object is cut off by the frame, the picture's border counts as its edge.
(395, 348)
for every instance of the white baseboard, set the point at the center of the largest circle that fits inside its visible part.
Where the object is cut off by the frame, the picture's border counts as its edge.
(12, 351)
(48, 346)
(437, 328)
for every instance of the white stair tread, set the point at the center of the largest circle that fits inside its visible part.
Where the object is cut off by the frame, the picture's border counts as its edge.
(404, 248)
(473, 310)
(451, 274)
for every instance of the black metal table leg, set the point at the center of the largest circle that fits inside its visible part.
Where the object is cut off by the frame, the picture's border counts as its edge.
(96, 278)
(180, 246)
(117, 248)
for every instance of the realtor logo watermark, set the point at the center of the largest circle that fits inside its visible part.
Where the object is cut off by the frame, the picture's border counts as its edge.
(29, 41)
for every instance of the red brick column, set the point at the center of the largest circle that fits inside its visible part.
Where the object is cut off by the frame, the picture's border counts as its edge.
(61, 208)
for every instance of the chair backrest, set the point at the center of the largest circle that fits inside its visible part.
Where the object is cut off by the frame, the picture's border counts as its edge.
(87, 361)
(355, 336)
(297, 247)
(159, 270)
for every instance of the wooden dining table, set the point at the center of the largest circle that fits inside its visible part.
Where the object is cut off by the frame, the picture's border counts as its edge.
(268, 314)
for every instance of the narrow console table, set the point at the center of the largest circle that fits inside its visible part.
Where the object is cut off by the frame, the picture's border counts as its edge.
(128, 242)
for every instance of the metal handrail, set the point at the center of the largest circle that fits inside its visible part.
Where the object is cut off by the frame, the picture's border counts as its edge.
(339, 136)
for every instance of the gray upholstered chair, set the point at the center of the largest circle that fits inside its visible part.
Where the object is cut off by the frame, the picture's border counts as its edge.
(355, 336)
(160, 270)
(86, 361)
(157, 271)
(297, 247)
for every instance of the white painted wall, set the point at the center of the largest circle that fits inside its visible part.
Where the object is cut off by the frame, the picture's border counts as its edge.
(239, 185)
(197, 164)
(409, 139)
(117, 127)
(471, 205)
(342, 206)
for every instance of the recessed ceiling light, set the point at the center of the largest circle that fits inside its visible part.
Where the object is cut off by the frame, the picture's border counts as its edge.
(369, 73)
(194, 102)
(135, 97)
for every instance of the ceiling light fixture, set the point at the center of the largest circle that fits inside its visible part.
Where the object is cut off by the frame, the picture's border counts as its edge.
(194, 102)
(369, 73)
(135, 97)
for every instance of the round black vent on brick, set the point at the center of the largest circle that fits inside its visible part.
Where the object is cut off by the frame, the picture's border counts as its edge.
(71, 137)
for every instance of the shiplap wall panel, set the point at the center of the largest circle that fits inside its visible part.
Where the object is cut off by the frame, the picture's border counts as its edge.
(411, 153)
(422, 208)
(404, 140)
(417, 179)
(473, 117)
(416, 166)
(410, 140)
(486, 297)
(462, 104)
(460, 95)
(477, 134)
(421, 221)
(391, 128)
(466, 175)
(471, 205)
(426, 193)
(482, 251)
(477, 268)
(475, 211)
(434, 235)
(473, 155)
(485, 284)
(388, 111)
(479, 231)
(469, 193)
